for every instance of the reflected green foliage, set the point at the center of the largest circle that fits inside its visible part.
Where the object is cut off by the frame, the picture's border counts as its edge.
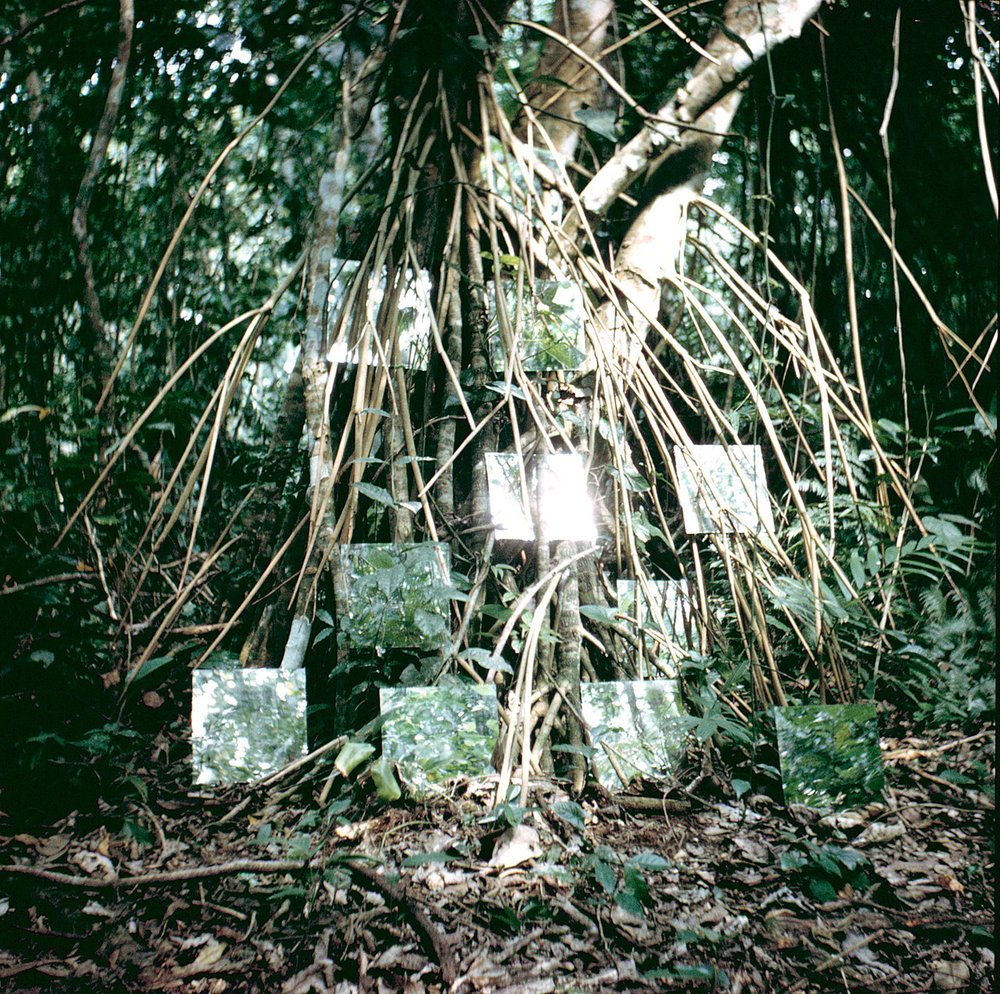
(358, 308)
(510, 180)
(547, 325)
(246, 723)
(394, 595)
(829, 754)
(639, 723)
(723, 489)
(436, 733)
(668, 618)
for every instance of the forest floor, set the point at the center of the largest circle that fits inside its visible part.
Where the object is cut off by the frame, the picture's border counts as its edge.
(268, 890)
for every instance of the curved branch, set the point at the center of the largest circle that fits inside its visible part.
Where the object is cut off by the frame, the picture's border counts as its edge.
(748, 33)
(98, 153)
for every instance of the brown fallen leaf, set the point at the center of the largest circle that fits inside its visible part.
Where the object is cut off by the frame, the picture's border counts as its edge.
(209, 956)
(519, 844)
(152, 699)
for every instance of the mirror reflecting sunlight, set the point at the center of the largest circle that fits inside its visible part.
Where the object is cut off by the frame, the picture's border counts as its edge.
(246, 723)
(723, 488)
(508, 495)
(547, 325)
(830, 755)
(663, 612)
(394, 595)
(356, 336)
(435, 734)
(637, 728)
(565, 508)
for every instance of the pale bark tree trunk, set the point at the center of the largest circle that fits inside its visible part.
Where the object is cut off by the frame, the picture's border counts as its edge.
(683, 138)
(584, 23)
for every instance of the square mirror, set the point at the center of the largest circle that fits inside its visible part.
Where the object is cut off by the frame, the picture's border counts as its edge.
(565, 509)
(664, 615)
(548, 325)
(436, 733)
(510, 512)
(414, 317)
(723, 489)
(637, 728)
(830, 755)
(394, 595)
(246, 723)
(511, 179)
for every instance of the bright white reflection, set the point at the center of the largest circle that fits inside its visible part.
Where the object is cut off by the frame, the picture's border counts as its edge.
(246, 723)
(723, 489)
(509, 505)
(565, 508)
(564, 505)
(414, 315)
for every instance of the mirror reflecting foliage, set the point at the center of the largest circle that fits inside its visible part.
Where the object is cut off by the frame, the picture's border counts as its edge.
(358, 308)
(246, 723)
(394, 595)
(436, 733)
(830, 755)
(637, 728)
(662, 613)
(510, 179)
(723, 488)
(547, 322)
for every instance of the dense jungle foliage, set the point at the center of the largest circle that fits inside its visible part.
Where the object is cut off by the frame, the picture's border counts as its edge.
(173, 493)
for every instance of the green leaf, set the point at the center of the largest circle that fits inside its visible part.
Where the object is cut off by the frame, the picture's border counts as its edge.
(822, 890)
(792, 860)
(601, 122)
(600, 613)
(386, 786)
(605, 876)
(479, 43)
(378, 494)
(649, 861)
(740, 787)
(152, 665)
(423, 858)
(351, 756)
(486, 659)
(627, 901)
(571, 813)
